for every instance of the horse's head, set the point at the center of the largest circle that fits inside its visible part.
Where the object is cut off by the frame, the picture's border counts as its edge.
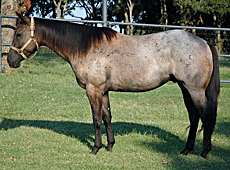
(24, 43)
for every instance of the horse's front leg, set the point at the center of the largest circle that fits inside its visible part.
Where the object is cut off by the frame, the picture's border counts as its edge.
(95, 99)
(107, 121)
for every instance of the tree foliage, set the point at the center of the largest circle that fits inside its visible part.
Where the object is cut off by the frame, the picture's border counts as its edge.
(212, 13)
(52, 8)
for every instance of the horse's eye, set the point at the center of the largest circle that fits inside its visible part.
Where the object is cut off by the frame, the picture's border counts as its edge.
(19, 34)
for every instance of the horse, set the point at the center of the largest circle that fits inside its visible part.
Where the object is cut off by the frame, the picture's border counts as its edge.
(104, 60)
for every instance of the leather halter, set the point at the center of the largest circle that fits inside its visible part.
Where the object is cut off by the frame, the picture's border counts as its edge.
(20, 51)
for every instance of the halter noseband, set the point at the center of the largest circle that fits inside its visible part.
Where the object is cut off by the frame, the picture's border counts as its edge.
(20, 51)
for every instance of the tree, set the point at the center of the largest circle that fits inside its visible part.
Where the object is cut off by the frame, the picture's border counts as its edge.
(164, 12)
(63, 7)
(123, 11)
(93, 9)
(128, 12)
(203, 13)
(8, 7)
(24, 7)
(44, 8)
(52, 8)
(143, 11)
(208, 13)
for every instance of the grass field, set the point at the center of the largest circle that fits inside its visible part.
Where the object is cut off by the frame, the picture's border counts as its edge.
(46, 123)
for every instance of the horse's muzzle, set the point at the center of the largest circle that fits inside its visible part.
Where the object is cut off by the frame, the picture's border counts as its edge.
(14, 60)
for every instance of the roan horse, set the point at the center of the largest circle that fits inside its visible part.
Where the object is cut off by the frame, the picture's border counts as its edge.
(104, 60)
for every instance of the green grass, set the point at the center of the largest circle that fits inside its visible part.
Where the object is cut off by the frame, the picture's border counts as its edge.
(46, 123)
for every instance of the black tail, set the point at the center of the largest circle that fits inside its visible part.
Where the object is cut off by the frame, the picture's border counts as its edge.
(212, 93)
(213, 89)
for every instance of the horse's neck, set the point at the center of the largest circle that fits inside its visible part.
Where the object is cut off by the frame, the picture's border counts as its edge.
(51, 44)
(69, 40)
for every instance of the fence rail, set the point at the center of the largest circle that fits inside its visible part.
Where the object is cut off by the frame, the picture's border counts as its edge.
(220, 37)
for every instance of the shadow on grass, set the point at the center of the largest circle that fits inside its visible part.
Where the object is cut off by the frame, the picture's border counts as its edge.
(84, 132)
(223, 128)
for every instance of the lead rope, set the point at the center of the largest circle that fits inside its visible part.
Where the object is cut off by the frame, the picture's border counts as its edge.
(20, 51)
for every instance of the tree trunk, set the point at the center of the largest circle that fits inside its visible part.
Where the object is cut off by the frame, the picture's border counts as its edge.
(164, 12)
(61, 9)
(218, 41)
(131, 5)
(8, 7)
(128, 12)
(58, 7)
(127, 30)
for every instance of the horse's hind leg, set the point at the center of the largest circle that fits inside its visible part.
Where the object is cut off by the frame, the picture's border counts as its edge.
(207, 112)
(204, 109)
(194, 120)
(208, 120)
(107, 121)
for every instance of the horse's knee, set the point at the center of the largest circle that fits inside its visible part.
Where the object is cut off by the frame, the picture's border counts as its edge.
(97, 121)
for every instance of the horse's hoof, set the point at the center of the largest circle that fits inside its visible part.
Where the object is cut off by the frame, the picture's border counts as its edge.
(185, 151)
(109, 149)
(110, 146)
(94, 151)
(205, 153)
(203, 156)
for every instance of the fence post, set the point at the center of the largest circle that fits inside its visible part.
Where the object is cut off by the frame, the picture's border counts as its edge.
(105, 13)
(0, 44)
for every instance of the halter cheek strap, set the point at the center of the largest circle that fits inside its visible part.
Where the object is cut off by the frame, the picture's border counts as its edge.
(20, 51)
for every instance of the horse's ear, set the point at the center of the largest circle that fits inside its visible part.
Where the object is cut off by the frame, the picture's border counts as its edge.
(22, 18)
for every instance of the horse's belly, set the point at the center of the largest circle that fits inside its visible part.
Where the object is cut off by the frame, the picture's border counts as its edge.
(136, 86)
(138, 77)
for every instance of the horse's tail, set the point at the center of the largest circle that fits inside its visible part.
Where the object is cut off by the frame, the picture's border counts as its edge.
(212, 93)
(213, 89)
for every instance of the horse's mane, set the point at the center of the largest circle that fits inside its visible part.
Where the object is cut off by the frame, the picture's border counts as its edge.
(75, 38)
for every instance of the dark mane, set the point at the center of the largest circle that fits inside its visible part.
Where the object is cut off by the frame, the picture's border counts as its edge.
(75, 38)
